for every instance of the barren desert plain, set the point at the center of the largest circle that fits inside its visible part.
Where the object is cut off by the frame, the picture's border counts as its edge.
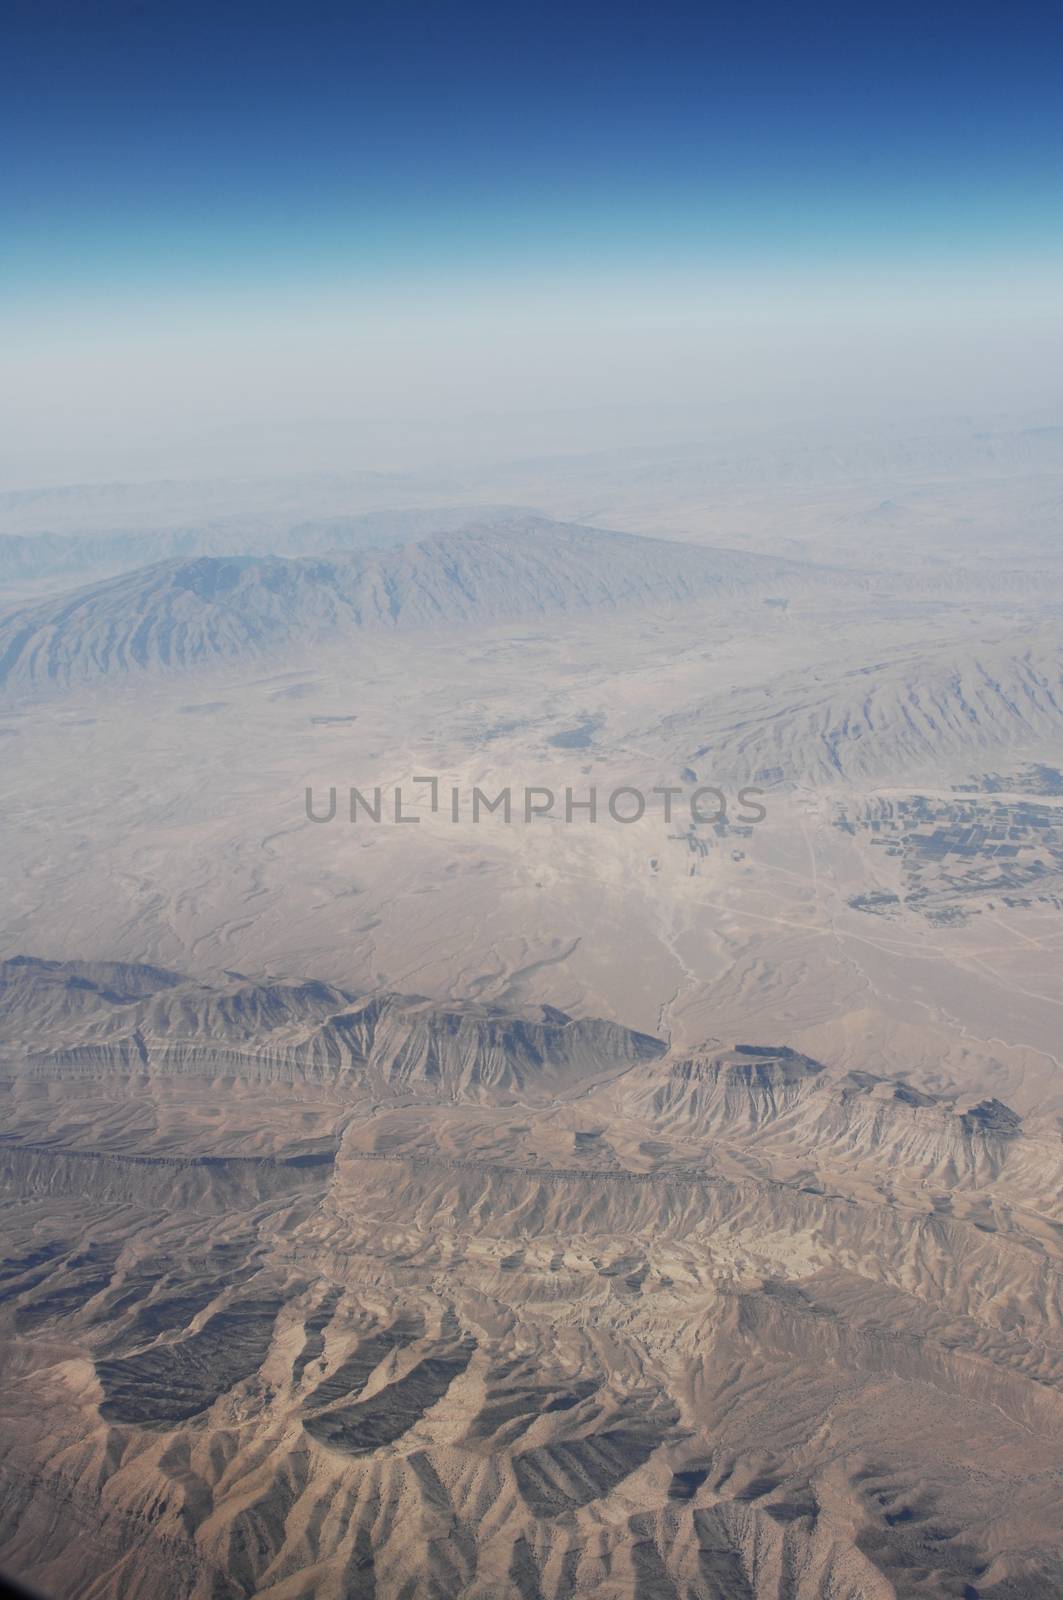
(658, 1205)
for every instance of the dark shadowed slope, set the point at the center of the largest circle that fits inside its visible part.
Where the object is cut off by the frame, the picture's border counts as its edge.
(305, 1294)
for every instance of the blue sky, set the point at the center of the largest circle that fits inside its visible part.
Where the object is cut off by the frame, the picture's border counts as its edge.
(183, 164)
(261, 141)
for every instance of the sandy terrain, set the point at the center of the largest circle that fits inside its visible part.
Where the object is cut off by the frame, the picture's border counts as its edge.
(477, 1208)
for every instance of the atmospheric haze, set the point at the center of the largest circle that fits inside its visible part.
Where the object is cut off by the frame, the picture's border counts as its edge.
(463, 373)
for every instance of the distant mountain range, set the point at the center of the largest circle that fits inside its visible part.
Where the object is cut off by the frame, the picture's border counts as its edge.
(911, 711)
(31, 557)
(182, 614)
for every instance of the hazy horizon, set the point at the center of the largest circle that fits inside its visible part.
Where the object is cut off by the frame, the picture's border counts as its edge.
(235, 244)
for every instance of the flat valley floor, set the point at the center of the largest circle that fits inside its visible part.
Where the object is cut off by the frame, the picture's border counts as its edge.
(665, 1208)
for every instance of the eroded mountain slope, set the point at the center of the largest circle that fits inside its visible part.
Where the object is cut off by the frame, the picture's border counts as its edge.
(911, 712)
(307, 1294)
(210, 610)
